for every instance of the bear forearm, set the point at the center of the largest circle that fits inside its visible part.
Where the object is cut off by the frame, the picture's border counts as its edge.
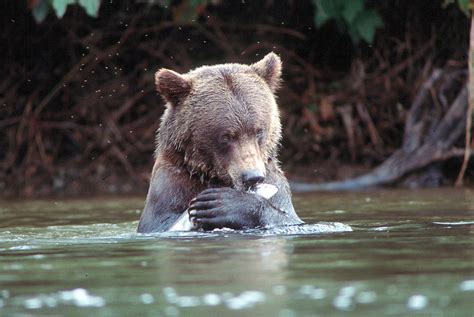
(170, 191)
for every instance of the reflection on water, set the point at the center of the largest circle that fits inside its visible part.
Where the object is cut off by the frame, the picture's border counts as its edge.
(410, 253)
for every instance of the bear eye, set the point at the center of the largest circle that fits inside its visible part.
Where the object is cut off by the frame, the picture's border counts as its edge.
(259, 133)
(227, 138)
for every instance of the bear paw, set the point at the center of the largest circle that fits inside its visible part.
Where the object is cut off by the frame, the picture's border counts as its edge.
(225, 208)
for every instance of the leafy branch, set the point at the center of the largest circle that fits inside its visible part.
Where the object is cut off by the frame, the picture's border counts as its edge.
(352, 16)
(41, 8)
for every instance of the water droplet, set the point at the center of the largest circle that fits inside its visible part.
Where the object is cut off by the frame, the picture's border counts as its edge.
(188, 301)
(211, 299)
(467, 285)
(147, 298)
(417, 302)
(342, 302)
(33, 303)
(5, 293)
(169, 291)
(347, 291)
(366, 297)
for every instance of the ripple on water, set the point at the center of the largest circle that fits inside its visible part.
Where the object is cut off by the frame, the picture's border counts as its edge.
(247, 299)
(366, 297)
(21, 248)
(312, 292)
(304, 229)
(454, 223)
(244, 300)
(317, 228)
(345, 298)
(116, 233)
(77, 297)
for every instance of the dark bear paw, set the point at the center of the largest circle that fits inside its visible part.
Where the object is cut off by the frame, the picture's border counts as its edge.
(225, 208)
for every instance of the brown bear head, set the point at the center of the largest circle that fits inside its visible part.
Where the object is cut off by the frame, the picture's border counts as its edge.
(221, 121)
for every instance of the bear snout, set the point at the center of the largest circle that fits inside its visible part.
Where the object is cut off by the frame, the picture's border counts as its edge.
(252, 177)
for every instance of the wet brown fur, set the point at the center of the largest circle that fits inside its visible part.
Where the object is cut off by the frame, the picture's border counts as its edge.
(219, 121)
(226, 95)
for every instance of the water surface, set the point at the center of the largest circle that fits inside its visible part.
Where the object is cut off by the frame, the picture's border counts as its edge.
(410, 253)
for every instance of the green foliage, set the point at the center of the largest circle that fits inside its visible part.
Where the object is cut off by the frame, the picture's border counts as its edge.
(42, 7)
(352, 16)
(40, 11)
(91, 6)
(60, 6)
(463, 5)
(366, 24)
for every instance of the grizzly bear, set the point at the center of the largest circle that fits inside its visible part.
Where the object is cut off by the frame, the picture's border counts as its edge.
(218, 137)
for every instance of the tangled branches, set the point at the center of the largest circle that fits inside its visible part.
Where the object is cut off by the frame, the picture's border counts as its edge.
(78, 108)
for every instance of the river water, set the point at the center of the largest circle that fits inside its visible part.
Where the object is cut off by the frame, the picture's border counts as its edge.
(410, 253)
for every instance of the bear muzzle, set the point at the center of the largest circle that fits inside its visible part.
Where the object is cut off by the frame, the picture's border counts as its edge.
(252, 177)
(246, 165)
(247, 173)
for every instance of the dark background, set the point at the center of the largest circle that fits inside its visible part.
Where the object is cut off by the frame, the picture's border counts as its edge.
(79, 111)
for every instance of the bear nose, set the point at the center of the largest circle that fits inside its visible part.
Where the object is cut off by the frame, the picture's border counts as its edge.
(252, 177)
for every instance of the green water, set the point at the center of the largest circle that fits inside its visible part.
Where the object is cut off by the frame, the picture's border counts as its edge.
(411, 253)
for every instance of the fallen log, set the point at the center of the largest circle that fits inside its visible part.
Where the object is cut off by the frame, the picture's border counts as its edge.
(435, 121)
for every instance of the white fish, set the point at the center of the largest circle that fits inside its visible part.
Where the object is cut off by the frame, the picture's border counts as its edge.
(267, 191)
(184, 224)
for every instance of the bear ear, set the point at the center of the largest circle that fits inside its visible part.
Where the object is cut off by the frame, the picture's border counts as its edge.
(269, 68)
(172, 86)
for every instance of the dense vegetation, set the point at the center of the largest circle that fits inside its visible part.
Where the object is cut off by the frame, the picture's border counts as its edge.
(78, 108)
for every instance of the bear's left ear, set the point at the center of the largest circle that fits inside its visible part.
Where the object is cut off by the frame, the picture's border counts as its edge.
(269, 68)
(173, 87)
